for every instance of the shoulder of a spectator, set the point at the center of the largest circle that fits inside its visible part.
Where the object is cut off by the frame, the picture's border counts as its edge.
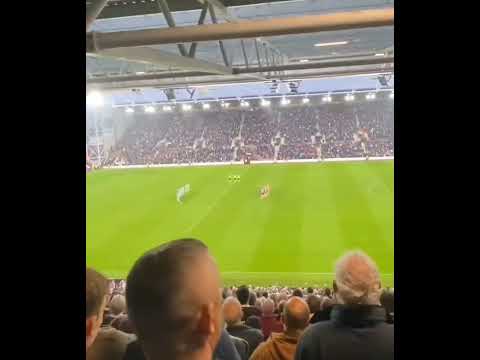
(259, 353)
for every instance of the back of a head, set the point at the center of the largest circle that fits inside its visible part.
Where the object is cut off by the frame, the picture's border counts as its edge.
(268, 307)
(117, 304)
(281, 306)
(165, 322)
(232, 310)
(298, 293)
(96, 290)
(326, 303)
(252, 299)
(387, 300)
(357, 281)
(254, 322)
(296, 314)
(313, 302)
(243, 294)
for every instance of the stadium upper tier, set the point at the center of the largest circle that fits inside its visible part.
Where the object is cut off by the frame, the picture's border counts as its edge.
(306, 132)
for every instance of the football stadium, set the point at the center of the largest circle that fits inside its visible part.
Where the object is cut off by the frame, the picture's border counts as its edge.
(242, 148)
(315, 212)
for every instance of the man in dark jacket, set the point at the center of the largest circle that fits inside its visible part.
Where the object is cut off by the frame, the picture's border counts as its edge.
(232, 312)
(244, 296)
(357, 328)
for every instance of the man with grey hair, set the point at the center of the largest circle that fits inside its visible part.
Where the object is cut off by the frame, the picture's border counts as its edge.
(233, 313)
(357, 328)
(186, 326)
(269, 320)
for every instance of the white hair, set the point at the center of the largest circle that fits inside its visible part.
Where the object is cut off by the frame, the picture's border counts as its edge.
(268, 307)
(117, 304)
(357, 279)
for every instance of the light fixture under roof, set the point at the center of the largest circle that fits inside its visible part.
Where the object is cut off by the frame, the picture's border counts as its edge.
(391, 95)
(206, 106)
(129, 110)
(304, 60)
(349, 97)
(149, 109)
(334, 43)
(327, 98)
(140, 73)
(370, 96)
(167, 108)
(225, 104)
(95, 99)
(186, 107)
(265, 102)
(244, 103)
(284, 101)
(379, 54)
(305, 100)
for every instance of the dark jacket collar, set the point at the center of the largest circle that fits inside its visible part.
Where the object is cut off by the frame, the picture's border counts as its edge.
(358, 315)
(239, 326)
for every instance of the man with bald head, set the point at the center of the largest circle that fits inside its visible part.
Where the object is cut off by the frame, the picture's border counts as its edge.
(281, 346)
(357, 328)
(233, 313)
(187, 325)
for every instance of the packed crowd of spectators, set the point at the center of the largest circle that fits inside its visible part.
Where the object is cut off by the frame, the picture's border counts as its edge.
(302, 132)
(172, 307)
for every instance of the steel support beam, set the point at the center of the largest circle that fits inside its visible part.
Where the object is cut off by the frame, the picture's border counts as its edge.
(319, 65)
(244, 52)
(257, 51)
(94, 10)
(177, 83)
(220, 42)
(222, 10)
(201, 20)
(267, 60)
(163, 58)
(241, 71)
(244, 29)
(171, 22)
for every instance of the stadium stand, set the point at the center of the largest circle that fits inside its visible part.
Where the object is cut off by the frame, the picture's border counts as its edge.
(302, 132)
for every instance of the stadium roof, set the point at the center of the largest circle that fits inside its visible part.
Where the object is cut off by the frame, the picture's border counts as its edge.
(130, 45)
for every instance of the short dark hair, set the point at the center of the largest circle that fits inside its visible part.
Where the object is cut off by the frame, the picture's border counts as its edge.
(243, 294)
(314, 303)
(254, 322)
(309, 290)
(387, 300)
(298, 292)
(96, 289)
(265, 294)
(252, 299)
(154, 312)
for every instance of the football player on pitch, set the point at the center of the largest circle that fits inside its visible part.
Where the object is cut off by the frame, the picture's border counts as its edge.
(265, 191)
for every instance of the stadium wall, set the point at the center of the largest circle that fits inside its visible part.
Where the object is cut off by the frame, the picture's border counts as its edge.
(253, 162)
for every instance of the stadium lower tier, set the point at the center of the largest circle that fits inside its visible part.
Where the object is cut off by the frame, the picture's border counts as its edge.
(313, 214)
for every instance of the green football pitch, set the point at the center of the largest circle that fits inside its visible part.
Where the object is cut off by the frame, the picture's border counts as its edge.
(315, 212)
